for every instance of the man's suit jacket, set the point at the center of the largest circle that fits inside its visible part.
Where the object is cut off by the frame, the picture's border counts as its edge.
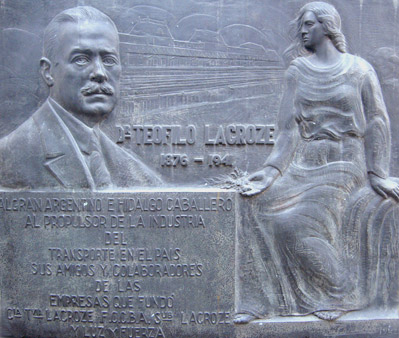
(39, 155)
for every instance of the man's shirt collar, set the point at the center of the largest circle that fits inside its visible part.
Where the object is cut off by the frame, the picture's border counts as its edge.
(80, 131)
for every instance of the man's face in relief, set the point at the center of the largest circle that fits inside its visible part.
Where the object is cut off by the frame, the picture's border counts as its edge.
(86, 69)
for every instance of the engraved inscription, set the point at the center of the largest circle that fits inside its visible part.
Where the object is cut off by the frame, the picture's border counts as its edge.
(122, 277)
(123, 126)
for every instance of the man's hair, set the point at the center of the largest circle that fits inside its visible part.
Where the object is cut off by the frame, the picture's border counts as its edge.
(72, 15)
(330, 19)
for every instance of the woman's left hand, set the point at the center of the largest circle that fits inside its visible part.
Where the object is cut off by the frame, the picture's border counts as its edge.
(386, 187)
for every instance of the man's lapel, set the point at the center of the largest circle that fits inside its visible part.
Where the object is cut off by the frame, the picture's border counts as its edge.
(62, 160)
(126, 169)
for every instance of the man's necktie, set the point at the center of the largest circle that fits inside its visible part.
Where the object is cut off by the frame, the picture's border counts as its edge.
(97, 165)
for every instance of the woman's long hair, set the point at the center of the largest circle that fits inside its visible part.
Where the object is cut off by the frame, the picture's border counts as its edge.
(330, 19)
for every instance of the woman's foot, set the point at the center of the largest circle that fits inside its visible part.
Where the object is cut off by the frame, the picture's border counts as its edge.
(329, 315)
(243, 318)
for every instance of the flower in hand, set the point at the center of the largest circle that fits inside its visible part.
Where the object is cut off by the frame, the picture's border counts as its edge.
(259, 181)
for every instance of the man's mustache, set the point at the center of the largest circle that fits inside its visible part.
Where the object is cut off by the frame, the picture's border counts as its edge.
(93, 88)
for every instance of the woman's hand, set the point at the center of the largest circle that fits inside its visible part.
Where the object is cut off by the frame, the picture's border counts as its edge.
(386, 187)
(260, 181)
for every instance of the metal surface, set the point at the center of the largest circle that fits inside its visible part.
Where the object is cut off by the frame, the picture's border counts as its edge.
(199, 168)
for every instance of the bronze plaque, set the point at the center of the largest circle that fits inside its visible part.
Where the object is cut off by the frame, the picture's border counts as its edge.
(199, 168)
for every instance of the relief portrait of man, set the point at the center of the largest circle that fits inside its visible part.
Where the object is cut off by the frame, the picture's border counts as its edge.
(318, 236)
(61, 145)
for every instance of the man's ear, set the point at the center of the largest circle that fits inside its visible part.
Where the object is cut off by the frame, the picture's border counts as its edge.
(45, 69)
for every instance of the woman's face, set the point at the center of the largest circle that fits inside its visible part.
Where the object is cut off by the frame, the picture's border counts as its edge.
(312, 31)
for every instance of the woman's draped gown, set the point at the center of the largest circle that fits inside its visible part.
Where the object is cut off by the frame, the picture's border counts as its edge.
(315, 240)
